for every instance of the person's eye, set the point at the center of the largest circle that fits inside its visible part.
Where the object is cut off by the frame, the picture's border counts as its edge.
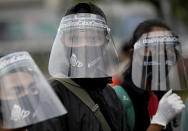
(18, 89)
(32, 88)
(93, 39)
(74, 38)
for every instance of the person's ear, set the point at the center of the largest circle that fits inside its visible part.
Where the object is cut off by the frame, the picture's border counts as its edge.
(107, 39)
(131, 50)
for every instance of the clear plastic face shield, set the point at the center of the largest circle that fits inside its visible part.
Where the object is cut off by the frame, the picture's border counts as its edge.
(157, 62)
(83, 48)
(26, 97)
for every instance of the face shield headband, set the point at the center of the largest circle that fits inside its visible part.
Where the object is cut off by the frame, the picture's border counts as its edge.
(83, 29)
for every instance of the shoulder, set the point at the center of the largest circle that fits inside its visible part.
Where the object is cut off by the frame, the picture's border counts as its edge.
(123, 96)
(108, 91)
(64, 94)
(55, 83)
(112, 98)
(58, 87)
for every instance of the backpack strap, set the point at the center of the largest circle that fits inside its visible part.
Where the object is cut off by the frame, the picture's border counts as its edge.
(86, 99)
(127, 105)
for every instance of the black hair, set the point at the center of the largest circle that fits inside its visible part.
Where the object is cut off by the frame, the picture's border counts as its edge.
(125, 47)
(142, 28)
(85, 7)
(146, 27)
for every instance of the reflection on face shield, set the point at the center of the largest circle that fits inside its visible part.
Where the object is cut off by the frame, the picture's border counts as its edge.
(154, 57)
(91, 61)
(22, 102)
(20, 98)
(83, 37)
(21, 108)
(14, 88)
(85, 51)
(150, 67)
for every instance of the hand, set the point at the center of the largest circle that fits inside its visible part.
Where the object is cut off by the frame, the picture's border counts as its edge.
(169, 106)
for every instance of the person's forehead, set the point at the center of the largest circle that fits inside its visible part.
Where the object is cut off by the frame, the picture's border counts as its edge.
(157, 28)
(157, 40)
(83, 30)
(156, 49)
(83, 39)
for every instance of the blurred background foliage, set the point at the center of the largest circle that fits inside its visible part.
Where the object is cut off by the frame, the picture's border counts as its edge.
(180, 9)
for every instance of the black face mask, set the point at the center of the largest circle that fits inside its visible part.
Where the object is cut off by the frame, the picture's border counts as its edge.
(91, 52)
(30, 103)
(149, 68)
(93, 83)
(168, 64)
(93, 57)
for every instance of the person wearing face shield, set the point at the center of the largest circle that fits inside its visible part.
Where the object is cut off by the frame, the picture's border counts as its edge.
(155, 53)
(81, 64)
(23, 94)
